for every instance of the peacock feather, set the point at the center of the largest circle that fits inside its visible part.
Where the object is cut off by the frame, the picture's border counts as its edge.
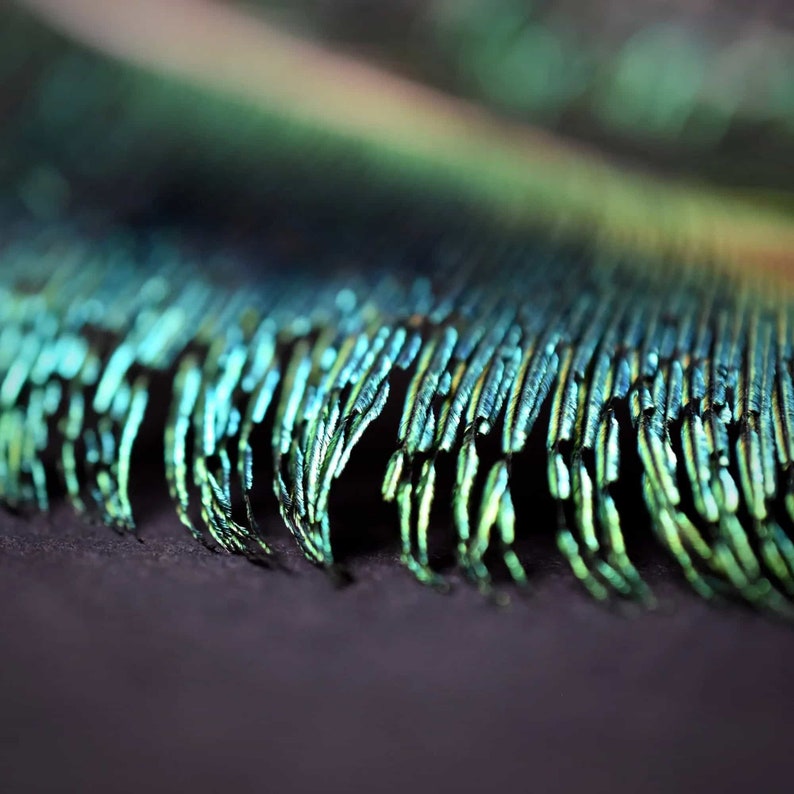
(519, 325)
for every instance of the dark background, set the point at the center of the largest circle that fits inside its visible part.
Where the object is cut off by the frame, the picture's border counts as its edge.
(154, 666)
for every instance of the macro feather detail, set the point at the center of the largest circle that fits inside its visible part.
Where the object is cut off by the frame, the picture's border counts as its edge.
(637, 333)
(680, 373)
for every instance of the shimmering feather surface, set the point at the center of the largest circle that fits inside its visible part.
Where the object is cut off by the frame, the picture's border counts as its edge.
(266, 349)
(613, 365)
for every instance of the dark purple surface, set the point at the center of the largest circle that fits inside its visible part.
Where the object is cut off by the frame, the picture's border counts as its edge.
(156, 666)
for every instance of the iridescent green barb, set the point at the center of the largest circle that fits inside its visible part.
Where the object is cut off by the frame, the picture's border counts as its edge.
(176, 260)
(674, 372)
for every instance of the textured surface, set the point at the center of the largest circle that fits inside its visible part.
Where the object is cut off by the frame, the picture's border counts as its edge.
(461, 352)
(159, 666)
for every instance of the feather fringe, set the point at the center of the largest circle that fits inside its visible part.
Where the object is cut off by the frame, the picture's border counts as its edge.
(618, 367)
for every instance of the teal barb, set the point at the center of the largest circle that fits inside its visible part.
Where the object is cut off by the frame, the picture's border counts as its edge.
(264, 363)
(616, 367)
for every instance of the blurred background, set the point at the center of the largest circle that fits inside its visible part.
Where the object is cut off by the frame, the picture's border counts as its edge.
(701, 85)
(702, 89)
